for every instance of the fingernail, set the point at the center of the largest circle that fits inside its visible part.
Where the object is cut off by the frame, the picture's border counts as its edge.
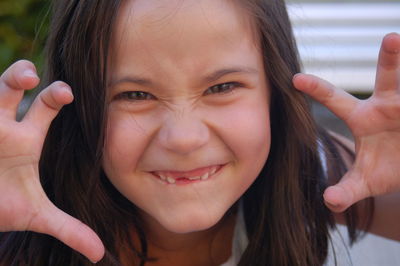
(332, 205)
(66, 88)
(30, 73)
(296, 75)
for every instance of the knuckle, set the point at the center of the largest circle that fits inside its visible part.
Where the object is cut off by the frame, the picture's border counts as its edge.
(47, 97)
(329, 93)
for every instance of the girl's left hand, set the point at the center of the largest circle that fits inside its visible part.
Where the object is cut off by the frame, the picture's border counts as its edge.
(375, 125)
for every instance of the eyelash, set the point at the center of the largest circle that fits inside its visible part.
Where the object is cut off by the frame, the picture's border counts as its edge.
(134, 95)
(222, 88)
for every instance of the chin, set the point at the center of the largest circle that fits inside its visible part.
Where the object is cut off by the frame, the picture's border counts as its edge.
(191, 223)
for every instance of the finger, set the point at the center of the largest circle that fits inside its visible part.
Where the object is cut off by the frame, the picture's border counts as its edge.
(47, 105)
(18, 77)
(344, 194)
(388, 70)
(338, 101)
(70, 231)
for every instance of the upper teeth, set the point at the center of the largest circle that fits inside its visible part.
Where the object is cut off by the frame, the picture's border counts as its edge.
(172, 180)
(205, 176)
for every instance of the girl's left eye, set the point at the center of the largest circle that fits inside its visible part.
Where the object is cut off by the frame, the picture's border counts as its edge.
(222, 88)
(135, 96)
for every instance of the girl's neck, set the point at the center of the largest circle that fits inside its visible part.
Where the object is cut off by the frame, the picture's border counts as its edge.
(204, 248)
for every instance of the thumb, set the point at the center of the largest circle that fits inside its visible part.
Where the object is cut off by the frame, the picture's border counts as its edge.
(348, 191)
(70, 231)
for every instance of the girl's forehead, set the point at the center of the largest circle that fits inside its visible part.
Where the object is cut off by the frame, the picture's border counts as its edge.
(166, 17)
(181, 36)
(162, 9)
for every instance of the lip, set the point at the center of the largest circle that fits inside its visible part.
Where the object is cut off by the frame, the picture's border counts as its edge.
(187, 177)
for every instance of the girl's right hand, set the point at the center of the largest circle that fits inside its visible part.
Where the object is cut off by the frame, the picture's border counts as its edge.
(24, 205)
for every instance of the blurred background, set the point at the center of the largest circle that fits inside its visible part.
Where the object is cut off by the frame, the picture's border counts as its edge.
(23, 27)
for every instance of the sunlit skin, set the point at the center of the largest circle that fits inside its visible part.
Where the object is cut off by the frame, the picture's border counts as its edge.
(187, 122)
(178, 55)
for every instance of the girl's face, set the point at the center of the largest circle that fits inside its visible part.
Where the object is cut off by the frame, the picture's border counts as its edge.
(188, 129)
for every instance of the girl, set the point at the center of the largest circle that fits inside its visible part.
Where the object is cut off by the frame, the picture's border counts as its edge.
(184, 142)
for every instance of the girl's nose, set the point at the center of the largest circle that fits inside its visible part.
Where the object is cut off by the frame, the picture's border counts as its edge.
(183, 134)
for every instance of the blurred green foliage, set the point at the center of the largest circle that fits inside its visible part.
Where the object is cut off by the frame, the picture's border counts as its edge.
(23, 30)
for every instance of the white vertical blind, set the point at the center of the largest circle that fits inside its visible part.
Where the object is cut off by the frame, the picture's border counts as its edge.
(340, 41)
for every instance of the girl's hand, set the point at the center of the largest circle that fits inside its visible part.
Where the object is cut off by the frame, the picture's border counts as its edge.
(375, 125)
(23, 203)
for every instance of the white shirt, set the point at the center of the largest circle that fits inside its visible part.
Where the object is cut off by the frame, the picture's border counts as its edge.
(370, 250)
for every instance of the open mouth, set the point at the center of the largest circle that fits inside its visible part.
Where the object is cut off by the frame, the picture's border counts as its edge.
(178, 177)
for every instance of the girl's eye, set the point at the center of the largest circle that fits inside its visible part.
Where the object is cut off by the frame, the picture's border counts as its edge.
(135, 96)
(222, 88)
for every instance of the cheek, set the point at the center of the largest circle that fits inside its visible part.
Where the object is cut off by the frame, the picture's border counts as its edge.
(245, 130)
(252, 144)
(125, 141)
(252, 133)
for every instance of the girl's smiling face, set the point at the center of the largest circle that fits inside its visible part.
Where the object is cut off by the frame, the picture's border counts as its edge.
(188, 127)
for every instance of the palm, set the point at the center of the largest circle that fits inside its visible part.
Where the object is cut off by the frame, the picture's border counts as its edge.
(19, 178)
(375, 124)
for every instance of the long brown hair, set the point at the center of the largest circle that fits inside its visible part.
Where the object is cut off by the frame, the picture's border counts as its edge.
(286, 220)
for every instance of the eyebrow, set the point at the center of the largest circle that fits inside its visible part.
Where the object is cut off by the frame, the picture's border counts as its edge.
(225, 71)
(212, 77)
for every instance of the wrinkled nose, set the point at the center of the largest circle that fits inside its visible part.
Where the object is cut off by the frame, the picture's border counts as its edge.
(184, 134)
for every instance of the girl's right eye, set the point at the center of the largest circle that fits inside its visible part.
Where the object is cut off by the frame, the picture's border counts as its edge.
(134, 96)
